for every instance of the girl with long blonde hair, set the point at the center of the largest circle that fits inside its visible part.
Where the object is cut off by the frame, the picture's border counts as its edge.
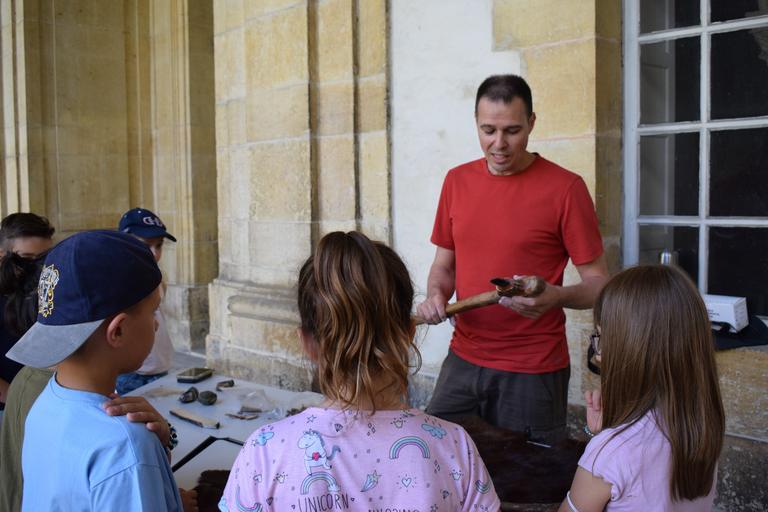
(659, 413)
(364, 448)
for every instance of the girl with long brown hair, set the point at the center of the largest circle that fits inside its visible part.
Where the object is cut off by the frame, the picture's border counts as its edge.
(659, 413)
(364, 448)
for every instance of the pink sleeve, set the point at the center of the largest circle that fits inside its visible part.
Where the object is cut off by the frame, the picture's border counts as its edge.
(240, 493)
(603, 458)
(579, 225)
(479, 487)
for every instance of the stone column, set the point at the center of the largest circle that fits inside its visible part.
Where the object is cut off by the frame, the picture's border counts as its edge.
(571, 57)
(302, 150)
(184, 170)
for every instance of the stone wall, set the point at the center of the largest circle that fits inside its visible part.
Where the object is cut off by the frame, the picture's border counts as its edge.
(302, 149)
(108, 106)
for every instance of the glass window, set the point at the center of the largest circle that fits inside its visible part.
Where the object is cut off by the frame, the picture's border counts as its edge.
(665, 14)
(683, 240)
(740, 73)
(738, 265)
(725, 10)
(669, 174)
(669, 81)
(738, 185)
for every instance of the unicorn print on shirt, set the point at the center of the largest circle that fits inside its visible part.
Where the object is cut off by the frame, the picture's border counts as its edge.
(314, 450)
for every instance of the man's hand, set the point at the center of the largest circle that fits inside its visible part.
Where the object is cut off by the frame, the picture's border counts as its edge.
(138, 410)
(594, 410)
(534, 307)
(188, 500)
(432, 310)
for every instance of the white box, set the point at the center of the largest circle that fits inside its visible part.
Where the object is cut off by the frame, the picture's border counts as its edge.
(729, 310)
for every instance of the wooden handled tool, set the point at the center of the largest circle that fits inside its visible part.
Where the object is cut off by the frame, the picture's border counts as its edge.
(527, 286)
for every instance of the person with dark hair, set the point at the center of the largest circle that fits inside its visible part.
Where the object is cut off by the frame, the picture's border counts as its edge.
(26, 234)
(511, 212)
(147, 227)
(18, 309)
(363, 449)
(95, 320)
(657, 423)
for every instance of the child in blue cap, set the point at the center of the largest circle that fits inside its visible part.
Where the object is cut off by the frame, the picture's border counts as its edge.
(95, 321)
(147, 227)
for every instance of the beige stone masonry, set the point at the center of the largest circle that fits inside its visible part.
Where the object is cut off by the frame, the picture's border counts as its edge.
(309, 156)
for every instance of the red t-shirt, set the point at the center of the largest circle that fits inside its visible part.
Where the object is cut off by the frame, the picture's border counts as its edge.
(528, 223)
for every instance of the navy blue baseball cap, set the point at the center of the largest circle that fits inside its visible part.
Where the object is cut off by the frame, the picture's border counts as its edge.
(142, 222)
(87, 278)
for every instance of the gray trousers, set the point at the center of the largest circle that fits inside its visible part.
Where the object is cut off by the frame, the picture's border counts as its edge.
(535, 403)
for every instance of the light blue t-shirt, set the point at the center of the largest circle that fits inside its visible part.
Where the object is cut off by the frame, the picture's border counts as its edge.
(77, 458)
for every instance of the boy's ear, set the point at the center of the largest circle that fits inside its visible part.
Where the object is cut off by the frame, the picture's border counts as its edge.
(115, 333)
(310, 345)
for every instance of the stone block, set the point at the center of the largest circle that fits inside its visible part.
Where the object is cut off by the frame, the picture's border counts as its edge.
(332, 108)
(229, 54)
(277, 250)
(743, 377)
(575, 154)
(609, 188)
(256, 8)
(332, 52)
(371, 37)
(280, 181)
(741, 475)
(375, 193)
(608, 86)
(228, 15)
(336, 190)
(277, 50)
(371, 100)
(222, 125)
(239, 183)
(293, 375)
(562, 78)
(277, 113)
(521, 23)
(608, 19)
(236, 121)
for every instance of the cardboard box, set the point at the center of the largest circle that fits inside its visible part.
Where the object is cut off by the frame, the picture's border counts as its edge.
(727, 310)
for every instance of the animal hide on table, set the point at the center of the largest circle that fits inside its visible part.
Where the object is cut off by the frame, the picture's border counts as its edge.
(524, 473)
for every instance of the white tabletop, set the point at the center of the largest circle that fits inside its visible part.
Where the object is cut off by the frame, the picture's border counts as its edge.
(163, 394)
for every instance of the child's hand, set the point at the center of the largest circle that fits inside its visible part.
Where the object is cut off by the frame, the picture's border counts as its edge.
(594, 410)
(138, 410)
(188, 500)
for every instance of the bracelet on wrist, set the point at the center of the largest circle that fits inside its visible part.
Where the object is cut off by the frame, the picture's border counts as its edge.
(173, 438)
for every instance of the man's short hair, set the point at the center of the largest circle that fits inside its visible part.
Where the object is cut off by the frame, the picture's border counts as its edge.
(22, 225)
(505, 88)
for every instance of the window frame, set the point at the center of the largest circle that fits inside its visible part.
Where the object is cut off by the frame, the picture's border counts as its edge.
(633, 130)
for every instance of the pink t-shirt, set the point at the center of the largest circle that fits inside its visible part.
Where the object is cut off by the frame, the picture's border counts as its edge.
(637, 464)
(327, 459)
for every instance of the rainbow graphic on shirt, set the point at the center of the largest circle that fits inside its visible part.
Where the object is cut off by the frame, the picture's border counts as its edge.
(397, 446)
(482, 487)
(321, 476)
(243, 508)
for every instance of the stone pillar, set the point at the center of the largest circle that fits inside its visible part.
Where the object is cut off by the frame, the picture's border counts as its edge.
(571, 57)
(184, 166)
(302, 150)
(72, 110)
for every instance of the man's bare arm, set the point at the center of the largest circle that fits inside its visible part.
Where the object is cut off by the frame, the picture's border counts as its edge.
(440, 286)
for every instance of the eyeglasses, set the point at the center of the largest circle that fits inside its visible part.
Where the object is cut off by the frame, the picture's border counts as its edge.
(594, 341)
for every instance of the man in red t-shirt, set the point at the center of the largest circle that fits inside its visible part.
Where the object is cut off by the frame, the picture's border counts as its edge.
(511, 213)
